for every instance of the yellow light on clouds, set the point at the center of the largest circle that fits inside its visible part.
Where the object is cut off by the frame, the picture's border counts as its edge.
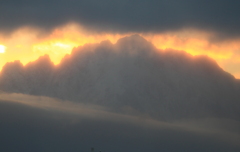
(2, 49)
(27, 44)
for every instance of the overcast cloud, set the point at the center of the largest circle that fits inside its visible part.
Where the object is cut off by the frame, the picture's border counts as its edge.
(221, 16)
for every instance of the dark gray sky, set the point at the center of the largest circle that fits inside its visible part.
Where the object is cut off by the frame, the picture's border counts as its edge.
(221, 16)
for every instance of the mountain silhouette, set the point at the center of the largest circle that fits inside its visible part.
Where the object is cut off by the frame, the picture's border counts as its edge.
(131, 76)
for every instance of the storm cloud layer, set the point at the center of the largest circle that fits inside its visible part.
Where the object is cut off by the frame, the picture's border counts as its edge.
(220, 16)
(131, 77)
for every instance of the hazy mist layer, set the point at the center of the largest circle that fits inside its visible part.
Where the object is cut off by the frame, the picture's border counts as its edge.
(36, 123)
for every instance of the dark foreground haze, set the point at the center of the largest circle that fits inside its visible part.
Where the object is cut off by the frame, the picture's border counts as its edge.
(121, 97)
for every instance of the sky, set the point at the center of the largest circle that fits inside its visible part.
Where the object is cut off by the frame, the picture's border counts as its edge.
(29, 29)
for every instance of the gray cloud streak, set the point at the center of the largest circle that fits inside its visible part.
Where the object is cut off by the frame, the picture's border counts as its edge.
(43, 124)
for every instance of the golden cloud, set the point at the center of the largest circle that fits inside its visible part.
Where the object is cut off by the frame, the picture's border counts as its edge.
(27, 44)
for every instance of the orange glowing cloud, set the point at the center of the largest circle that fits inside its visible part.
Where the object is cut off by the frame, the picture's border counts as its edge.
(226, 53)
(27, 44)
(63, 39)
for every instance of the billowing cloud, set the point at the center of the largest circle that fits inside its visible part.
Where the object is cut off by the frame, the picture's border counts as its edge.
(36, 123)
(27, 44)
(131, 74)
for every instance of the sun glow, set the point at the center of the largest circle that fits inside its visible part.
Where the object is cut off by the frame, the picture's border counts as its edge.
(2, 49)
(27, 44)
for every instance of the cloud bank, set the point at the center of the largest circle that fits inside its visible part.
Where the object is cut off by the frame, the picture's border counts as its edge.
(124, 16)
